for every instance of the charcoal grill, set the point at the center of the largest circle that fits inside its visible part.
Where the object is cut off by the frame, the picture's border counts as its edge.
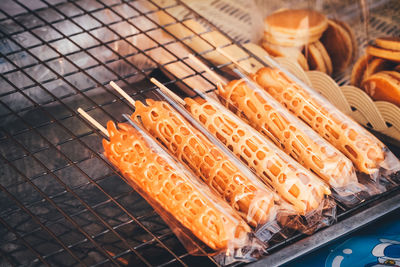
(61, 203)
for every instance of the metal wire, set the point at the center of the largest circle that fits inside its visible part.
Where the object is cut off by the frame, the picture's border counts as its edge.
(34, 128)
(106, 222)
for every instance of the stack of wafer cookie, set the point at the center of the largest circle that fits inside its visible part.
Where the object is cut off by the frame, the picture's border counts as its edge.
(316, 42)
(378, 71)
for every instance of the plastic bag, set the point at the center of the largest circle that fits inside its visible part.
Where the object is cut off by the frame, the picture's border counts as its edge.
(249, 197)
(269, 162)
(368, 154)
(202, 222)
(299, 189)
(294, 137)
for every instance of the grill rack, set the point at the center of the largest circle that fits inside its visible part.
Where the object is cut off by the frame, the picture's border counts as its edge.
(56, 208)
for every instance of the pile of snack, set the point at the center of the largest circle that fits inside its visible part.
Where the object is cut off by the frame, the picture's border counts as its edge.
(225, 183)
(231, 170)
(316, 42)
(378, 71)
(170, 188)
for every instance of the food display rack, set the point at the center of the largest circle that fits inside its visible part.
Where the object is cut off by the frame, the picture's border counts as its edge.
(61, 202)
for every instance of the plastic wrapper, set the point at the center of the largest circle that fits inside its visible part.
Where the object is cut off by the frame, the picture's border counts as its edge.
(294, 137)
(291, 180)
(311, 33)
(368, 154)
(256, 203)
(298, 188)
(202, 221)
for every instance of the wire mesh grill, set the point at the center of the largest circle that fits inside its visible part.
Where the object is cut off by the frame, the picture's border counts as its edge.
(61, 203)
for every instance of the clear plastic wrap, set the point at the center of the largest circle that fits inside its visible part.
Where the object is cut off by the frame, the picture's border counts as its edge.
(293, 136)
(202, 221)
(294, 183)
(248, 196)
(368, 154)
(299, 189)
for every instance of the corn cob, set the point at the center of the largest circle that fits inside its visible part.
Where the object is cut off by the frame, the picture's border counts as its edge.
(288, 132)
(294, 183)
(175, 192)
(251, 200)
(366, 151)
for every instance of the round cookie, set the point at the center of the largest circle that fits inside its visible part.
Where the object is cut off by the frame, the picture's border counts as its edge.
(376, 65)
(340, 44)
(391, 43)
(289, 52)
(294, 27)
(384, 85)
(383, 53)
(359, 69)
(289, 41)
(318, 58)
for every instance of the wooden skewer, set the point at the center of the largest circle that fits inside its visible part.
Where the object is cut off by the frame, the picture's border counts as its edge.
(168, 92)
(234, 61)
(123, 93)
(93, 121)
(219, 86)
(206, 69)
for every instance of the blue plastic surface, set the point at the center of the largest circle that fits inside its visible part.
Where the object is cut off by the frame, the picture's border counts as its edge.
(375, 245)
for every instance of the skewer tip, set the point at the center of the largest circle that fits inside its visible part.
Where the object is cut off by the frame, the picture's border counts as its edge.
(167, 91)
(206, 68)
(241, 65)
(123, 93)
(93, 121)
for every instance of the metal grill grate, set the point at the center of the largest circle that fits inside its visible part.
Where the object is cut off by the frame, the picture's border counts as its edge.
(61, 203)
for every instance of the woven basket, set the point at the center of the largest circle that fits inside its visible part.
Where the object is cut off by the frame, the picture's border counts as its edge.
(380, 116)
